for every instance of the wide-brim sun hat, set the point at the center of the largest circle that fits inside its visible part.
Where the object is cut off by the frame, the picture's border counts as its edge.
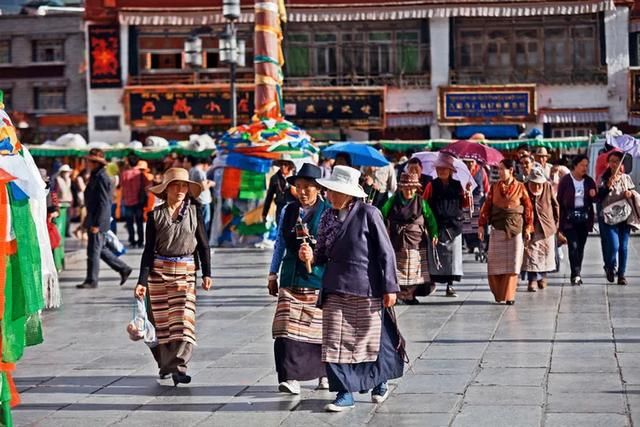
(537, 176)
(96, 155)
(542, 152)
(176, 174)
(446, 161)
(344, 180)
(64, 168)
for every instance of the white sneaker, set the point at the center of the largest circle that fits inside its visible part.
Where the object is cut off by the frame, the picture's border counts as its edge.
(323, 383)
(290, 386)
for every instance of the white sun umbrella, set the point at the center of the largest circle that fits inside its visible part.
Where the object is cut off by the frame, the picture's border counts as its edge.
(462, 174)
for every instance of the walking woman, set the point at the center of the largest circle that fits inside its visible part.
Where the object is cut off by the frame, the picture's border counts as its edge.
(470, 222)
(615, 217)
(447, 198)
(360, 341)
(576, 196)
(539, 252)
(411, 225)
(175, 244)
(508, 210)
(297, 325)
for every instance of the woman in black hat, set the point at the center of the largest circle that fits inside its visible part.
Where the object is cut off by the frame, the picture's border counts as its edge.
(298, 339)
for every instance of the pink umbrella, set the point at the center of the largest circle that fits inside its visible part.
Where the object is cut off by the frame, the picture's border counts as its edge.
(475, 151)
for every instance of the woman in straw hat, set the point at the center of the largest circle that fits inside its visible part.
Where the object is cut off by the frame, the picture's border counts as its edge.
(539, 252)
(297, 325)
(508, 210)
(411, 224)
(175, 243)
(360, 342)
(447, 198)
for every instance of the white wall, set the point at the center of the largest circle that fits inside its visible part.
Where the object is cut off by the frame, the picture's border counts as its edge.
(109, 102)
(439, 29)
(419, 100)
(616, 24)
(575, 96)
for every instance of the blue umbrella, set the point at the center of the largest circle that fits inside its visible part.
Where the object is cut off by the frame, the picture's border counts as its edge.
(360, 154)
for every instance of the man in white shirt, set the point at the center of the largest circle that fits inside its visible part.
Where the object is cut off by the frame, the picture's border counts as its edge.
(197, 168)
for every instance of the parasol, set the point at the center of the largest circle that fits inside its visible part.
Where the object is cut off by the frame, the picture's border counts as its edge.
(475, 151)
(462, 174)
(360, 154)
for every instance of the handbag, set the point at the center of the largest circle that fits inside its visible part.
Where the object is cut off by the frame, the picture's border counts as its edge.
(617, 212)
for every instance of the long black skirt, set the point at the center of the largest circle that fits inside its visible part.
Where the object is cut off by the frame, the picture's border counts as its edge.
(366, 375)
(297, 360)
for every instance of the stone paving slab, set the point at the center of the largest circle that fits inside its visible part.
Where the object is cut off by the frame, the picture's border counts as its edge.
(557, 358)
(498, 416)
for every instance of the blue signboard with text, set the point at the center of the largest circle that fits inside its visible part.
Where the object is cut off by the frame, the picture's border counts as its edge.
(486, 104)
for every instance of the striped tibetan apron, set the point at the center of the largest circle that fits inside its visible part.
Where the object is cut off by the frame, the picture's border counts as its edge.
(172, 294)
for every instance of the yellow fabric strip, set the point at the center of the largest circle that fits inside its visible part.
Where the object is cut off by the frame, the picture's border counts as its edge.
(269, 29)
(261, 79)
(266, 107)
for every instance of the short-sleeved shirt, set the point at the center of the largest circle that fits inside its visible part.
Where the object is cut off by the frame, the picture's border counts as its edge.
(200, 176)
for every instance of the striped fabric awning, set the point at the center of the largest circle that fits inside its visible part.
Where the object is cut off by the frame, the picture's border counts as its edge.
(359, 11)
(570, 116)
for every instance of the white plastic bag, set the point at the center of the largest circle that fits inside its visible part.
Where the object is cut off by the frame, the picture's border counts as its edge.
(114, 244)
(140, 328)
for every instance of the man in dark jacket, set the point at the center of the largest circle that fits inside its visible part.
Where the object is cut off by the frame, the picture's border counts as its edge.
(98, 196)
(279, 190)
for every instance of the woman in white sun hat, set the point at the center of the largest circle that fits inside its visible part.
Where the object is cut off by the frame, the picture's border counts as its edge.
(361, 344)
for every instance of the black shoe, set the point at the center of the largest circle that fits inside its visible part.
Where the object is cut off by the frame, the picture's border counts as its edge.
(87, 285)
(413, 301)
(510, 302)
(180, 379)
(140, 245)
(622, 280)
(611, 275)
(124, 275)
(164, 376)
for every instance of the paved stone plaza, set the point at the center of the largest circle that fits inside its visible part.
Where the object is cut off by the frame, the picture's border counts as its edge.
(566, 356)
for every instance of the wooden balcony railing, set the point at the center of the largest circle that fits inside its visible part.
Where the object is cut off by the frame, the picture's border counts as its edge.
(189, 78)
(590, 75)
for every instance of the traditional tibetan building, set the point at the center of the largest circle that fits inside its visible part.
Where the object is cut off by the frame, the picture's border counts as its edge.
(378, 69)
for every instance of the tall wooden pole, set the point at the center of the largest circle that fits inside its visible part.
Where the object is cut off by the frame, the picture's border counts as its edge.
(268, 59)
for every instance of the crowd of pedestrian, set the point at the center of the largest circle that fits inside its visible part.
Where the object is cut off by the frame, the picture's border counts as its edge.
(351, 243)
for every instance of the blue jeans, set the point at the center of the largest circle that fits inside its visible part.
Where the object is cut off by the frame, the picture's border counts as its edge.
(135, 215)
(615, 239)
(205, 209)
